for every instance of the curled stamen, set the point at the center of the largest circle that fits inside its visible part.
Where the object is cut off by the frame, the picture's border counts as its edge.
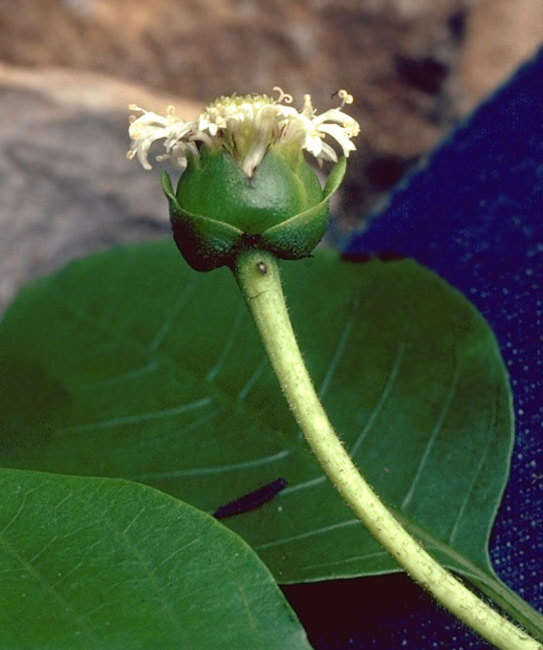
(345, 97)
(283, 96)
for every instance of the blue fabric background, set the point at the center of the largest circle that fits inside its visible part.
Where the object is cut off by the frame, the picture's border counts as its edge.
(474, 214)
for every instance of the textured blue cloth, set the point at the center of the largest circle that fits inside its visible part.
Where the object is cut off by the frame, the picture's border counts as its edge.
(474, 214)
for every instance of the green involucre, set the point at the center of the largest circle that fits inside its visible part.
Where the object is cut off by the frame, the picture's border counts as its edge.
(217, 210)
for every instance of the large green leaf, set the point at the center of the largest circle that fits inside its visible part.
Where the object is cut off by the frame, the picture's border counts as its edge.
(101, 563)
(129, 364)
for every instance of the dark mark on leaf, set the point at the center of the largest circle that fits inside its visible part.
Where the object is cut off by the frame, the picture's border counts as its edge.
(251, 500)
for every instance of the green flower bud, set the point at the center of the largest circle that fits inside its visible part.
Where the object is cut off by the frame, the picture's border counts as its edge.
(248, 183)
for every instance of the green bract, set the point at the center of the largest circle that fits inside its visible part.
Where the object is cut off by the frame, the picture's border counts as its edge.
(217, 210)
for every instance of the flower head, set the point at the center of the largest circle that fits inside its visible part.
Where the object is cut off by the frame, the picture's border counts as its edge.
(245, 126)
(245, 182)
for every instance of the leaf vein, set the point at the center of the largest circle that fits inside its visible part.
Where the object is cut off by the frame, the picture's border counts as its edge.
(478, 470)
(141, 417)
(433, 437)
(57, 595)
(247, 387)
(310, 533)
(166, 326)
(17, 512)
(179, 550)
(227, 346)
(382, 399)
(218, 469)
(338, 352)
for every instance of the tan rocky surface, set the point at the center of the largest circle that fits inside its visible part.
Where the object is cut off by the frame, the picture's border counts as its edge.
(500, 34)
(66, 187)
(90, 90)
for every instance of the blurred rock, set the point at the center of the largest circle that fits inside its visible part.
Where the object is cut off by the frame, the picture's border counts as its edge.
(91, 91)
(395, 56)
(66, 187)
(499, 35)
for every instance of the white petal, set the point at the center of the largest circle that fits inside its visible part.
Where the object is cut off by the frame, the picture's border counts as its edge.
(313, 144)
(338, 133)
(327, 153)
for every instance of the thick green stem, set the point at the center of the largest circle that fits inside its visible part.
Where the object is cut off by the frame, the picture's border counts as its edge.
(257, 274)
